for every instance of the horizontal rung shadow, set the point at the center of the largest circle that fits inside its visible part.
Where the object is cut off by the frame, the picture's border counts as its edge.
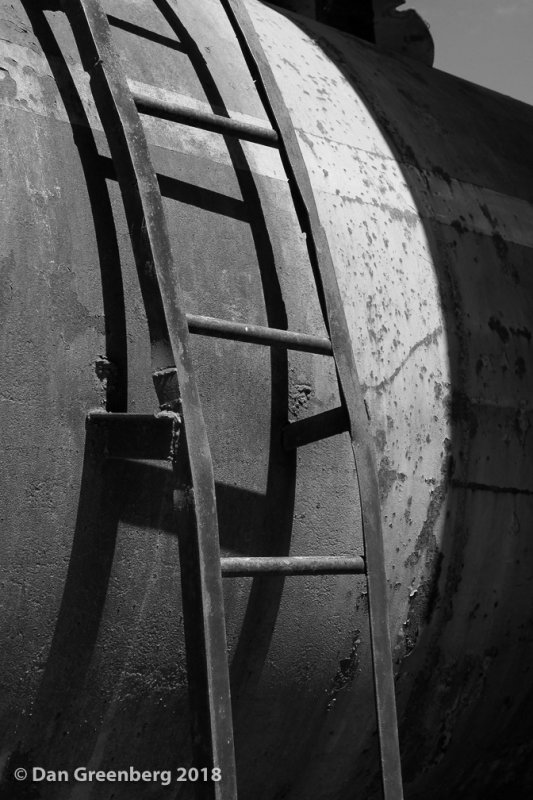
(245, 566)
(315, 428)
(165, 109)
(146, 437)
(144, 33)
(258, 334)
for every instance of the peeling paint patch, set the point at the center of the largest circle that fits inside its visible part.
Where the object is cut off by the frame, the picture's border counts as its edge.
(422, 601)
(347, 671)
(426, 542)
(410, 218)
(423, 597)
(387, 477)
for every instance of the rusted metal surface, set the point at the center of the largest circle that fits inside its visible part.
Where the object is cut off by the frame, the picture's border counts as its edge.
(257, 334)
(296, 565)
(423, 184)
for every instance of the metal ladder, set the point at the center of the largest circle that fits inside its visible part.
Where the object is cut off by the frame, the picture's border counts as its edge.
(179, 431)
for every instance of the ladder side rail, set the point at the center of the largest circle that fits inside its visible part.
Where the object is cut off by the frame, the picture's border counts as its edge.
(335, 319)
(175, 385)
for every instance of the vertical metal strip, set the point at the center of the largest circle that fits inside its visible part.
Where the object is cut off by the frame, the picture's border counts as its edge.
(176, 387)
(328, 288)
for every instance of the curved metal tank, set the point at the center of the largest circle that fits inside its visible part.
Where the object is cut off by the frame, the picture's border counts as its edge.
(424, 183)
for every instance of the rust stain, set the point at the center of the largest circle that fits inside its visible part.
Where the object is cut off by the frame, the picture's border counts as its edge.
(388, 477)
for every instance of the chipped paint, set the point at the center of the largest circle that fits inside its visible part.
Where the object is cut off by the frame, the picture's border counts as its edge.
(346, 673)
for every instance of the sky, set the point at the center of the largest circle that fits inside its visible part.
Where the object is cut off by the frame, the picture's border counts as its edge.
(489, 42)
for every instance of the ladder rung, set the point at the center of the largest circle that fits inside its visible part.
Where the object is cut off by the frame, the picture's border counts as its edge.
(257, 334)
(149, 437)
(165, 109)
(315, 428)
(292, 565)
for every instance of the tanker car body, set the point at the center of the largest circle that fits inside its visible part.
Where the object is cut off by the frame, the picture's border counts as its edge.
(424, 185)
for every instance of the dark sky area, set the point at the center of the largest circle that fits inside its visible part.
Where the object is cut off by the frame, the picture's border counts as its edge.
(489, 42)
